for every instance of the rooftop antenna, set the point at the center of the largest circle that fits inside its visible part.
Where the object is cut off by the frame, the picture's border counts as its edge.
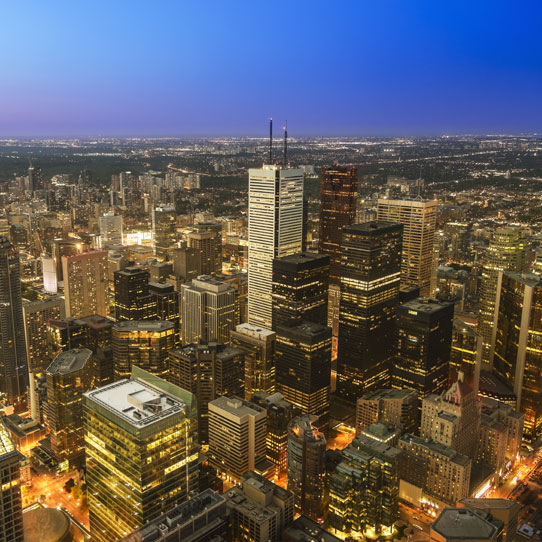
(270, 140)
(285, 156)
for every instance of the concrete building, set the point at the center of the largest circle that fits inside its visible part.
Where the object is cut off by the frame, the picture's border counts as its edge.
(164, 227)
(111, 230)
(465, 525)
(208, 242)
(466, 353)
(141, 453)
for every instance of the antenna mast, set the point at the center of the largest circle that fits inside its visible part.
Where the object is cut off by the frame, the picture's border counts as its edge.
(285, 157)
(270, 140)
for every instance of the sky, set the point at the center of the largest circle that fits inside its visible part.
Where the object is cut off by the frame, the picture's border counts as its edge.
(221, 68)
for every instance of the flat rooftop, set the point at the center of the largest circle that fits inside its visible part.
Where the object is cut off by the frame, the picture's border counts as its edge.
(6, 444)
(425, 305)
(70, 361)
(462, 523)
(436, 447)
(373, 226)
(136, 402)
(388, 394)
(236, 406)
(303, 258)
(304, 529)
(143, 325)
(254, 331)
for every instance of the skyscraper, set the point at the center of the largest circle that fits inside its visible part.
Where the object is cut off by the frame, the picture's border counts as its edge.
(275, 229)
(418, 218)
(210, 311)
(141, 452)
(145, 344)
(300, 289)
(165, 302)
(13, 360)
(68, 377)
(85, 284)
(506, 252)
(370, 275)
(518, 356)
(11, 507)
(466, 354)
(207, 239)
(424, 342)
(306, 467)
(132, 298)
(111, 230)
(303, 368)
(259, 346)
(164, 226)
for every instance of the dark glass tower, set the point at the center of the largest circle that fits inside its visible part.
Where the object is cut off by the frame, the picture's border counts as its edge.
(370, 275)
(13, 365)
(300, 289)
(338, 196)
(132, 298)
(424, 343)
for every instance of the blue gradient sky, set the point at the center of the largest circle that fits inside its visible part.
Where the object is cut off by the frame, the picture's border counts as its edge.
(201, 67)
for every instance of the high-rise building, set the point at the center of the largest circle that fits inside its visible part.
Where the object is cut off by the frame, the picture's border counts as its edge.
(166, 304)
(237, 436)
(11, 506)
(424, 342)
(208, 241)
(13, 360)
(207, 370)
(144, 344)
(338, 198)
(306, 468)
(259, 346)
(370, 275)
(395, 408)
(275, 229)
(506, 252)
(86, 284)
(186, 263)
(164, 227)
(141, 452)
(466, 353)
(364, 488)
(133, 300)
(37, 315)
(259, 510)
(279, 414)
(418, 218)
(48, 268)
(300, 289)
(303, 368)
(68, 377)
(111, 230)
(518, 356)
(209, 311)
(466, 525)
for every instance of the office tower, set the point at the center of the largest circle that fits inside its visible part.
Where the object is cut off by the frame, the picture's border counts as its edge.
(370, 273)
(186, 263)
(141, 452)
(306, 467)
(275, 230)
(13, 360)
(37, 315)
(466, 353)
(66, 334)
(424, 342)
(144, 344)
(48, 268)
(103, 367)
(236, 436)
(338, 198)
(395, 408)
(503, 510)
(465, 525)
(97, 331)
(209, 311)
(207, 370)
(11, 507)
(208, 241)
(279, 414)
(303, 368)
(418, 218)
(66, 247)
(518, 357)
(164, 228)
(203, 517)
(68, 377)
(506, 252)
(304, 529)
(440, 473)
(111, 230)
(453, 418)
(132, 298)
(457, 235)
(300, 289)
(166, 304)
(259, 346)
(35, 181)
(85, 284)
(259, 510)
(364, 488)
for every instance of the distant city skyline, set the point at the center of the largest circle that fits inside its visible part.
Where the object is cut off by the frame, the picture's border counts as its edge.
(220, 69)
